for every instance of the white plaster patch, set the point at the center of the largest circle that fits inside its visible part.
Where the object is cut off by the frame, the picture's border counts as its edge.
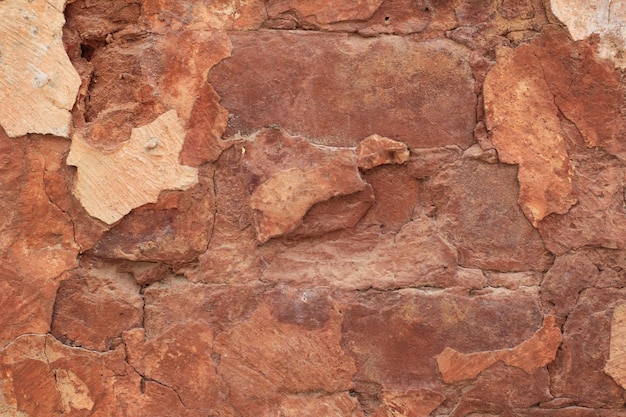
(38, 84)
(606, 18)
(110, 185)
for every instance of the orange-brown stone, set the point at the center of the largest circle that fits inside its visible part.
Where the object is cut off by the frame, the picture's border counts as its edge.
(517, 95)
(529, 356)
(341, 89)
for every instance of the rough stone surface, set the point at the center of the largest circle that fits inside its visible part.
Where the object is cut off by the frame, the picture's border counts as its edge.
(167, 15)
(476, 207)
(289, 175)
(406, 359)
(343, 89)
(38, 84)
(36, 236)
(512, 110)
(176, 229)
(532, 354)
(401, 208)
(324, 12)
(376, 150)
(585, 350)
(92, 311)
(415, 256)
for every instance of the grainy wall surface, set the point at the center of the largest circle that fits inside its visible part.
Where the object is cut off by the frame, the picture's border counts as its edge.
(384, 208)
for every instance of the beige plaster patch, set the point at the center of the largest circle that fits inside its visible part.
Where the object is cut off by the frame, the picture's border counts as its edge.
(38, 84)
(606, 18)
(616, 365)
(110, 185)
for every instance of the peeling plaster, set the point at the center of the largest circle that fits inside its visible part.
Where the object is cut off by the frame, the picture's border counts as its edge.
(606, 18)
(616, 366)
(110, 185)
(38, 84)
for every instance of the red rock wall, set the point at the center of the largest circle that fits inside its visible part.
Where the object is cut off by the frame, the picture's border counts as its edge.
(312, 208)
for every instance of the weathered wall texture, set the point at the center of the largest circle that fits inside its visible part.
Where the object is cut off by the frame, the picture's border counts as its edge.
(384, 208)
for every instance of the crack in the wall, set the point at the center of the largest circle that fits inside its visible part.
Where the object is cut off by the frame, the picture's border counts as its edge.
(366, 291)
(149, 379)
(67, 215)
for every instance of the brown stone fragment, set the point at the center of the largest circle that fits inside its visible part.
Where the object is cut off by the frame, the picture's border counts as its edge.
(340, 89)
(505, 390)
(588, 90)
(274, 350)
(476, 208)
(376, 150)
(569, 275)
(36, 237)
(600, 216)
(208, 15)
(324, 11)
(395, 336)
(516, 96)
(177, 72)
(282, 201)
(93, 308)
(415, 256)
(27, 304)
(267, 355)
(175, 229)
(410, 403)
(337, 213)
(231, 255)
(371, 18)
(616, 366)
(529, 356)
(577, 371)
(396, 195)
(179, 358)
(424, 163)
(336, 405)
(93, 21)
(566, 412)
(206, 125)
(175, 300)
(42, 377)
(289, 175)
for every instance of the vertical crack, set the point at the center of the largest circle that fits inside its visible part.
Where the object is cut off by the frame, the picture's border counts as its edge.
(145, 378)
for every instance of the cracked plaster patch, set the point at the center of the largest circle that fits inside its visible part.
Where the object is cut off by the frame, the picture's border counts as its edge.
(38, 84)
(606, 18)
(110, 185)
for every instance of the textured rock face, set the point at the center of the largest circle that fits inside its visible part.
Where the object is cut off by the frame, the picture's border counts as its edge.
(341, 89)
(312, 208)
(534, 353)
(512, 109)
